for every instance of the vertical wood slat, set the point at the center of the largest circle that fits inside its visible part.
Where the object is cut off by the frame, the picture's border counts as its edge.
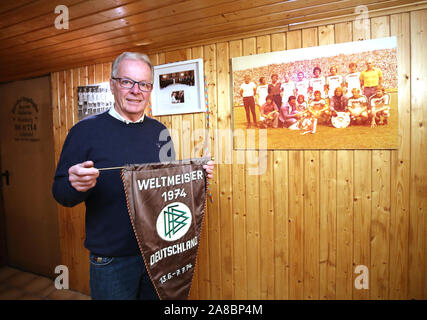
(252, 208)
(325, 211)
(311, 202)
(281, 199)
(400, 164)
(224, 168)
(239, 209)
(296, 204)
(380, 224)
(362, 192)
(213, 219)
(266, 196)
(328, 258)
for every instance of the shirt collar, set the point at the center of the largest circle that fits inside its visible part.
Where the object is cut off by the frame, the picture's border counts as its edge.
(112, 112)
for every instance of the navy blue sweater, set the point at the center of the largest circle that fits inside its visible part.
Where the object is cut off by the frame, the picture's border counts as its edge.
(108, 142)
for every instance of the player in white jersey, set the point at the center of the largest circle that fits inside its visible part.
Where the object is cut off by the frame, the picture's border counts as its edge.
(352, 80)
(380, 107)
(301, 104)
(358, 107)
(317, 83)
(333, 81)
(302, 86)
(261, 92)
(287, 89)
(319, 108)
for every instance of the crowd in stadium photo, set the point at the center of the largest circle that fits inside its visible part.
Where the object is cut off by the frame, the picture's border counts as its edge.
(306, 95)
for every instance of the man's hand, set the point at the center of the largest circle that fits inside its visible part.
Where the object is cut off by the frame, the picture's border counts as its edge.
(83, 176)
(209, 167)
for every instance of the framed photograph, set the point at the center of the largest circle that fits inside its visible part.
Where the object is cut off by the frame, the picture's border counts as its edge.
(339, 96)
(178, 88)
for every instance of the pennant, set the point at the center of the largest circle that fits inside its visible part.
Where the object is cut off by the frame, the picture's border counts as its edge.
(166, 204)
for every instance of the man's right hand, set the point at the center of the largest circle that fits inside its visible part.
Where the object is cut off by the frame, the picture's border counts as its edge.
(83, 176)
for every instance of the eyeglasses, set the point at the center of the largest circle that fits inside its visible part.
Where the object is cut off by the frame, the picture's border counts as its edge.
(128, 84)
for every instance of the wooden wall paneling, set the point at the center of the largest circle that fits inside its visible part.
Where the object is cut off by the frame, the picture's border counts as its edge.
(296, 204)
(213, 231)
(418, 174)
(225, 157)
(281, 198)
(380, 223)
(252, 204)
(311, 201)
(266, 204)
(400, 165)
(239, 206)
(362, 190)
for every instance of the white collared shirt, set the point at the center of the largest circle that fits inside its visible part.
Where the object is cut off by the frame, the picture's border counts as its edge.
(112, 112)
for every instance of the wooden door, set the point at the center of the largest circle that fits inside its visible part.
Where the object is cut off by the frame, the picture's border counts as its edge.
(26, 138)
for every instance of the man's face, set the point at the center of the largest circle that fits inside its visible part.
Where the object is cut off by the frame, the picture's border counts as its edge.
(131, 103)
(369, 64)
(274, 79)
(292, 102)
(352, 69)
(333, 71)
(316, 73)
(300, 76)
(317, 96)
(247, 79)
(286, 77)
(379, 93)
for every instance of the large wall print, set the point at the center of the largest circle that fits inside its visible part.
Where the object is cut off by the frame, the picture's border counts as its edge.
(340, 96)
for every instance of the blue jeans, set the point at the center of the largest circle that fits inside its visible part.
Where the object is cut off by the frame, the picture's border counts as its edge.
(120, 278)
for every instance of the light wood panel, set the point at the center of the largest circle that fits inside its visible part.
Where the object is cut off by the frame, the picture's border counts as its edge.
(298, 229)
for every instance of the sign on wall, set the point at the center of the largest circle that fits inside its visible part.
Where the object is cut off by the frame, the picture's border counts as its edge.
(25, 117)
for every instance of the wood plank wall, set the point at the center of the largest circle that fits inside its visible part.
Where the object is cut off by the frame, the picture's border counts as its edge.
(299, 230)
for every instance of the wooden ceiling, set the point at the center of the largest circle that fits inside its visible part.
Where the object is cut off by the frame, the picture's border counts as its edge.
(99, 30)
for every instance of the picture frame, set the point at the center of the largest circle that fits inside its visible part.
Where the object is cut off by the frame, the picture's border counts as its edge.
(178, 88)
(342, 120)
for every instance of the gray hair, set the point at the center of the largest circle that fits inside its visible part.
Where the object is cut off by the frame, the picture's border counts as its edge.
(131, 56)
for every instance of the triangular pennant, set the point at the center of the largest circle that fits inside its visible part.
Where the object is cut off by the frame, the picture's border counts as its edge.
(166, 204)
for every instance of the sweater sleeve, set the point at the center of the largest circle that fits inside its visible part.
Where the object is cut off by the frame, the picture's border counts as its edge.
(74, 151)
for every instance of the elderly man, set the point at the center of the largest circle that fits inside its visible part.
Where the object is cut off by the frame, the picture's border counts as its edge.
(123, 135)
